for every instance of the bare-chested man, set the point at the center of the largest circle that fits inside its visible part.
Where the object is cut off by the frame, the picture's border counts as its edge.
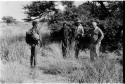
(97, 36)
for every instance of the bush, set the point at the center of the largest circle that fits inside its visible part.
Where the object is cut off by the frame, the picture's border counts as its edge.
(8, 19)
(112, 34)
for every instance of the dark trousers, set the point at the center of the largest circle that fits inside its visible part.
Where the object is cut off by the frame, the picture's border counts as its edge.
(33, 56)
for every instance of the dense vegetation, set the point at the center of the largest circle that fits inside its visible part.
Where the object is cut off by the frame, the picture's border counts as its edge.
(108, 14)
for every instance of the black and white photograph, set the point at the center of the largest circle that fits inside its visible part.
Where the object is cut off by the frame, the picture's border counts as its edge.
(65, 41)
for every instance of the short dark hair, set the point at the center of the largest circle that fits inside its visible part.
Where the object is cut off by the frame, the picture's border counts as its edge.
(34, 23)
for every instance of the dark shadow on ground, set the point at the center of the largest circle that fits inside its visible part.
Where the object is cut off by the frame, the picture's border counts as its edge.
(52, 71)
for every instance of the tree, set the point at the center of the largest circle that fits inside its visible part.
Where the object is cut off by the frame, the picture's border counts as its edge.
(109, 17)
(69, 16)
(37, 9)
(8, 19)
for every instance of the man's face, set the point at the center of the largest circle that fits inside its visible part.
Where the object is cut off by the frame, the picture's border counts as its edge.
(94, 23)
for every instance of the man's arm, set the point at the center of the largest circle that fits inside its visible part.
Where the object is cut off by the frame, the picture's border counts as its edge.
(82, 31)
(38, 31)
(101, 35)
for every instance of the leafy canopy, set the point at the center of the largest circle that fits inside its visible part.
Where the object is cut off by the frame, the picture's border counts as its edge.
(108, 14)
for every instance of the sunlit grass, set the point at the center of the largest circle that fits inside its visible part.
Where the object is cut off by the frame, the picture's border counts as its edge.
(15, 58)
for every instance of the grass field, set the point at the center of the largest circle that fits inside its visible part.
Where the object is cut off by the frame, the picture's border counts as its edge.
(51, 67)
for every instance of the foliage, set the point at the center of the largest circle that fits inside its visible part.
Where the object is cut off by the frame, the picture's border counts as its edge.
(8, 19)
(38, 8)
(108, 14)
(112, 25)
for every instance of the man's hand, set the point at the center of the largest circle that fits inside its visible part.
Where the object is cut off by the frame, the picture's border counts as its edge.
(36, 36)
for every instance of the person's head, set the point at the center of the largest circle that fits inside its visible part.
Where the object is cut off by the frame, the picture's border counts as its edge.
(34, 23)
(94, 23)
(64, 25)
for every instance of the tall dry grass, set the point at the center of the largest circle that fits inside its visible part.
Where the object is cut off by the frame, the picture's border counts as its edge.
(51, 67)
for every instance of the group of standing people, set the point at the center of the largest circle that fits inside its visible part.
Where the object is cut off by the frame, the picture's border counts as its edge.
(96, 34)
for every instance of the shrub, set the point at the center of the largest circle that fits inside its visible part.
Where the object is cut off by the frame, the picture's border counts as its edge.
(8, 19)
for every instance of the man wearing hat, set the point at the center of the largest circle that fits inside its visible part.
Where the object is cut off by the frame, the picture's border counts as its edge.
(78, 36)
(80, 30)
